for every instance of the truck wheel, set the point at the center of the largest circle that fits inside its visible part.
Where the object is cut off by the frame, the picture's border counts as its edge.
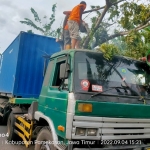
(43, 139)
(11, 127)
(5, 117)
(5, 111)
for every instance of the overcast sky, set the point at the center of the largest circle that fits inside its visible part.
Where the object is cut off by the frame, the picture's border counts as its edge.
(13, 11)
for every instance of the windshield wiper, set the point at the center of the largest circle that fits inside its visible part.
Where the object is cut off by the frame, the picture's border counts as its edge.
(126, 84)
(110, 88)
(141, 98)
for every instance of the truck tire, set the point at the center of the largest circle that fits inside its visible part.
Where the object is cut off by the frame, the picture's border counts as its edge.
(5, 117)
(5, 111)
(10, 128)
(43, 138)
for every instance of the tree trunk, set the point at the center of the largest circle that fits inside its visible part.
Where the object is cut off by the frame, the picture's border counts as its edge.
(88, 38)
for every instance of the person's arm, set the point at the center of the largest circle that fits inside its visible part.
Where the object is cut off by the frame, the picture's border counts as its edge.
(67, 12)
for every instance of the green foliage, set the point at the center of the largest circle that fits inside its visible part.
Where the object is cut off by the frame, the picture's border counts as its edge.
(146, 34)
(30, 31)
(138, 43)
(46, 28)
(36, 17)
(114, 12)
(134, 14)
(121, 29)
(109, 50)
(147, 29)
(32, 24)
(136, 46)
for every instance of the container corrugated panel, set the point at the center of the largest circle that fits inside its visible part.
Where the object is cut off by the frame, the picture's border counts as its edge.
(22, 64)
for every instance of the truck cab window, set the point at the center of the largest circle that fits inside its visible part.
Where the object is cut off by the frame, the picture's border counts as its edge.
(56, 80)
(48, 73)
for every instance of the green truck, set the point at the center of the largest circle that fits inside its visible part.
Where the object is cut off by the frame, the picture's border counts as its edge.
(87, 103)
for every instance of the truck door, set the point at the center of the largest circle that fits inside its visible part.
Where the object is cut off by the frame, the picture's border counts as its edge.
(56, 100)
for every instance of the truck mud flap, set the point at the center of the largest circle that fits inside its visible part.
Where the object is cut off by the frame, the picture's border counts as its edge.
(24, 129)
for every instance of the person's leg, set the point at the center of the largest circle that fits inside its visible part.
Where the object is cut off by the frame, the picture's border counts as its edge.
(74, 32)
(67, 40)
(73, 43)
(78, 44)
(77, 38)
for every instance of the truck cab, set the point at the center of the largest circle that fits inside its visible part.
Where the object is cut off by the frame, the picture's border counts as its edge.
(88, 102)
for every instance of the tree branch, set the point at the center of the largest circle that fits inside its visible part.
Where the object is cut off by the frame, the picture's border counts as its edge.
(95, 9)
(88, 11)
(107, 25)
(99, 20)
(140, 27)
(118, 2)
(103, 7)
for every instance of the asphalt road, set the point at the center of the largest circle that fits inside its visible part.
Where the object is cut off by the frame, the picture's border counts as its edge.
(4, 145)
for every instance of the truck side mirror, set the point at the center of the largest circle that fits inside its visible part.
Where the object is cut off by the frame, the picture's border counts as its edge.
(64, 71)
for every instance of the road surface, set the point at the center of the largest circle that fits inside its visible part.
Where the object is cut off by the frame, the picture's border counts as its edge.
(4, 145)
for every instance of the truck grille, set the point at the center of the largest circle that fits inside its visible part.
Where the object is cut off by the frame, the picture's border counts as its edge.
(113, 128)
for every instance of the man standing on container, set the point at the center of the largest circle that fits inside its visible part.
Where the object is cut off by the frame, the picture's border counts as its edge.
(66, 34)
(74, 21)
(65, 40)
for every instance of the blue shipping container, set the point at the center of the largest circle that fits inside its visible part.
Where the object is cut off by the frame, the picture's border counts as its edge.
(22, 64)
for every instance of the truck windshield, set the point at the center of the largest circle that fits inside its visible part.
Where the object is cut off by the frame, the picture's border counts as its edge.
(93, 73)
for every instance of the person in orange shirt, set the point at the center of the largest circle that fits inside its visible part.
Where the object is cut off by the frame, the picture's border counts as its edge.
(66, 34)
(74, 21)
(65, 40)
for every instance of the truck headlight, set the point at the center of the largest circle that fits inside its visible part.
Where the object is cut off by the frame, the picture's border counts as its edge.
(91, 132)
(80, 131)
